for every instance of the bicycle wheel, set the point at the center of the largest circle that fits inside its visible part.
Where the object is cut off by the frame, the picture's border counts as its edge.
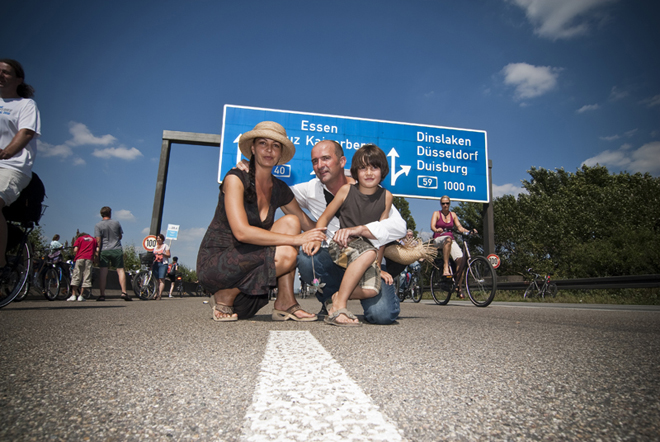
(200, 290)
(416, 287)
(147, 286)
(51, 283)
(18, 259)
(65, 287)
(552, 289)
(531, 291)
(23, 293)
(400, 293)
(86, 292)
(480, 281)
(180, 290)
(441, 287)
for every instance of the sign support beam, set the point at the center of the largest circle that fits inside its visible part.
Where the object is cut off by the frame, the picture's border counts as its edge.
(488, 217)
(169, 137)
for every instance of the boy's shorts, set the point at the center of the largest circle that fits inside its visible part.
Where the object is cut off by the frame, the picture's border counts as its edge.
(112, 258)
(82, 273)
(344, 257)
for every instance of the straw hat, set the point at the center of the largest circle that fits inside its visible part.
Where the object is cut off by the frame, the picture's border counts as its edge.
(410, 251)
(272, 130)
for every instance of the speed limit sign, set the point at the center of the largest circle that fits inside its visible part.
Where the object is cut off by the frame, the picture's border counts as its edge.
(149, 243)
(494, 260)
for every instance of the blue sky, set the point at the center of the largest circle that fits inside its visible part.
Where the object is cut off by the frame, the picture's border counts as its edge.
(554, 83)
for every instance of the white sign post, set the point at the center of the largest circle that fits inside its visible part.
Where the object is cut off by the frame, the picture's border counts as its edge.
(172, 231)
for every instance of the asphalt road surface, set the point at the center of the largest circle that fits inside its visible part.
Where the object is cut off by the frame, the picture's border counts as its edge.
(163, 370)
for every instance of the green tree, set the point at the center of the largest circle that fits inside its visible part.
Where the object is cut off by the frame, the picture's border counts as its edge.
(585, 224)
(39, 242)
(131, 258)
(404, 209)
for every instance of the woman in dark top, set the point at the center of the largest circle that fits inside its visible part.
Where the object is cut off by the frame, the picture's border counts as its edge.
(245, 252)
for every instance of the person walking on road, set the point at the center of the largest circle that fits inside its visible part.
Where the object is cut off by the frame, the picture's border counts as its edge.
(161, 261)
(108, 234)
(84, 249)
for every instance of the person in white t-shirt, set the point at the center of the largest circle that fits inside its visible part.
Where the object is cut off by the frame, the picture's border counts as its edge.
(20, 125)
(161, 261)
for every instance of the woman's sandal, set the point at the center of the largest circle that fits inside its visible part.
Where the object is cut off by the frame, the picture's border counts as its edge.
(225, 310)
(283, 315)
(332, 319)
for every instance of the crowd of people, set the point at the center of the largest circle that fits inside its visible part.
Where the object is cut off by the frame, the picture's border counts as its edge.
(337, 245)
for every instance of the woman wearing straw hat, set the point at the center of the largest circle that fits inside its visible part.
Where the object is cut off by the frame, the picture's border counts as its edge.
(245, 251)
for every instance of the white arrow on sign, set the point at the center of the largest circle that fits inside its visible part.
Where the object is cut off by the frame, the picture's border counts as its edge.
(238, 149)
(404, 169)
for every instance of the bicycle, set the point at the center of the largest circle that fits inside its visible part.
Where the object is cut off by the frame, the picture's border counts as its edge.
(199, 291)
(56, 278)
(409, 283)
(533, 290)
(144, 283)
(19, 252)
(179, 285)
(480, 278)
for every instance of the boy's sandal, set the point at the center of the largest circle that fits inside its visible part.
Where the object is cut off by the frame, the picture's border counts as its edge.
(225, 310)
(332, 319)
(283, 315)
(125, 297)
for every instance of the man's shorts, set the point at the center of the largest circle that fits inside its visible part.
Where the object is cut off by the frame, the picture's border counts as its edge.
(344, 257)
(112, 258)
(11, 183)
(456, 252)
(82, 273)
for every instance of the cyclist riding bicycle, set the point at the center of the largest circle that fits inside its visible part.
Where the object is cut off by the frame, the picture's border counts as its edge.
(443, 223)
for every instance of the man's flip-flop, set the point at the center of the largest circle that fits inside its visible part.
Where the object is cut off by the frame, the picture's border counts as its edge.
(332, 319)
(283, 315)
(225, 310)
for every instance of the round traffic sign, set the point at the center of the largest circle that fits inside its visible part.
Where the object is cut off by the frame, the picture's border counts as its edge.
(494, 260)
(149, 243)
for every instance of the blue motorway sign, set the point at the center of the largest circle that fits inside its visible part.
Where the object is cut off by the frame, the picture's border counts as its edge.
(425, 161)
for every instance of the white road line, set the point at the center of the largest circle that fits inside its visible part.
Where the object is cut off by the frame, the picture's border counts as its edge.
(303, 394)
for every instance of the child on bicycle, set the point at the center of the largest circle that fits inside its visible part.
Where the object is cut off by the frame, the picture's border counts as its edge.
(355, 205)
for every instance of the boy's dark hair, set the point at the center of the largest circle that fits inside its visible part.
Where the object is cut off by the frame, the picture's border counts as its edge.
(106, 212)
(370, 155)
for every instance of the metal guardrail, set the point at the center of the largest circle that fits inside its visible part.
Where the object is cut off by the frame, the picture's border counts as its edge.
(609, 282)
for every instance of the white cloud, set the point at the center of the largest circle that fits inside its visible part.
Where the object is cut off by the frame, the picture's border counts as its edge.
(123, 215)
(48, 150)
(651, 102)
(79, 162)
(82, 136)
(644, 159)
(561, 19)
(616, 94)
(530, 81)
(121, 152)
(628, 134)
(507, 189)
(587, 107)
(193, 234)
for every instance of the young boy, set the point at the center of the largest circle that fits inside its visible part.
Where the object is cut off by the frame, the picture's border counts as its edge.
(356, 205)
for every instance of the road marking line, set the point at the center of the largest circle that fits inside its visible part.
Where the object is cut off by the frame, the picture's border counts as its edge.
(303, 394)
